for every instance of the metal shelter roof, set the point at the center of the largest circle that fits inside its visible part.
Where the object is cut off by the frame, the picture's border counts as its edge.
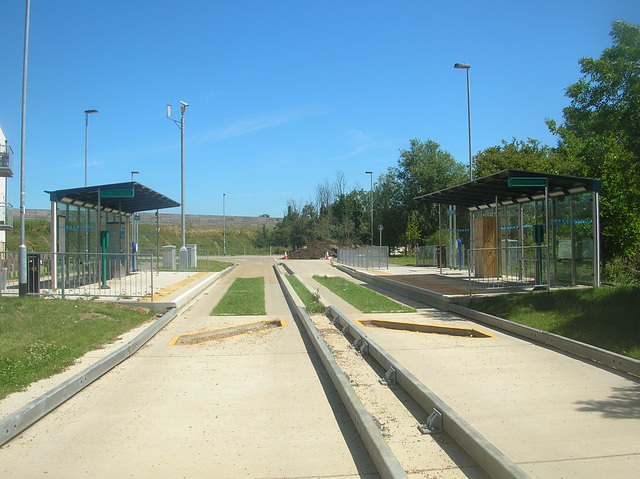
(129, 197)
(483, 192)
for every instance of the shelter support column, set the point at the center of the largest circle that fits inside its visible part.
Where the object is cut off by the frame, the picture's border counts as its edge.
(573, 242)
(54, 244)
(596, 238)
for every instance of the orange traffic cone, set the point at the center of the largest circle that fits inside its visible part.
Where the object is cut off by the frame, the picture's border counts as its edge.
(285, 255)
(326, 254)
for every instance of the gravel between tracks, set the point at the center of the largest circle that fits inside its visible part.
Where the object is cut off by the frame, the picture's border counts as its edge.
(422, 456)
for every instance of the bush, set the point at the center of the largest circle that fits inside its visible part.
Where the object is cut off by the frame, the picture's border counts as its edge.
(622, 270)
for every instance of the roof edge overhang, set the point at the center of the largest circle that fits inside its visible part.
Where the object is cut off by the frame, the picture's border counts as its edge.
(492, 190)
(141, 198)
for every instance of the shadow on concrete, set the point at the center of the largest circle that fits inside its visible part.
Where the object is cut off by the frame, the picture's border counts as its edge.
(623, 403)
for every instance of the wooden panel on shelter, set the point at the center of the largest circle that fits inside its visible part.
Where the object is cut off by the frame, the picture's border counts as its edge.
(484, 236)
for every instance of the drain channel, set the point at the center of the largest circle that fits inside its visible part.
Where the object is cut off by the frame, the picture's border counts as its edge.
(426, 328)
(202, 337)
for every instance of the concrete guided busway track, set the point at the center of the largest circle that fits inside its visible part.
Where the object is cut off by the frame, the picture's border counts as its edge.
(551, 413)
(255, 405)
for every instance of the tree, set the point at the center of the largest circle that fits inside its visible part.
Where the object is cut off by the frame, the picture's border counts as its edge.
(412, 232)
(528, 155)
(422, 169)
(600, 136)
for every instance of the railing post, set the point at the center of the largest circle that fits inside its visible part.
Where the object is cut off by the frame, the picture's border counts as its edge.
(62, 272)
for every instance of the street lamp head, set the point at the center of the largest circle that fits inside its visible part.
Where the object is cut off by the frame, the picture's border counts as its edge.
(87, 112)
(185, 104)
(368, 172)
(462, 65)
(183, 107)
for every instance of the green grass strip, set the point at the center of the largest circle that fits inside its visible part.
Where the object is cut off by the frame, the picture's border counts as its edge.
(311, 301)
(360, 297)
(604, 317)
(245, 297)
(42, 337)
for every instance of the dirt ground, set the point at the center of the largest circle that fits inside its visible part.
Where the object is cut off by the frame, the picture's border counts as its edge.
(317, 250)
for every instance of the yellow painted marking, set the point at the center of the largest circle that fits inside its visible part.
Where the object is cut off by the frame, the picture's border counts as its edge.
(174, 287)
(175, 339)
(426, 328)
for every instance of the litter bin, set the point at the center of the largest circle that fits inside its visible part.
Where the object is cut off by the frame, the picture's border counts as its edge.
(169, 258)
(33, 273)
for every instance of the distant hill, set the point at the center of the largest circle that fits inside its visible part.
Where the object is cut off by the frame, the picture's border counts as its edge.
(205, 231)
(170, 219)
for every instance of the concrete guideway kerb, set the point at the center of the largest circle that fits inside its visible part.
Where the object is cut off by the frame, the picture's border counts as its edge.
(32, 412)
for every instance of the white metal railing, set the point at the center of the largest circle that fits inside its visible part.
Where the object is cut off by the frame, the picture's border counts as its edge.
(121, 275)
(6, 216)
(441, 256)
(370, 257)
(6, 160)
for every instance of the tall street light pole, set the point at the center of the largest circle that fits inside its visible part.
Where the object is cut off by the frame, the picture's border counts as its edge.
(86, 140)
(466, 66)
(182, 256)
(224, 225)
(370, 173)
(22, 248)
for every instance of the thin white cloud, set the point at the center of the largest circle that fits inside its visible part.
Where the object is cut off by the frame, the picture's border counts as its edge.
(360, 143)
(257, 123)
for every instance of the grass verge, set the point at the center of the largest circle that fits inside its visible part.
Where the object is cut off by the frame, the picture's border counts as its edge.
(362, 298)
(604, 317)
(403, 260)
(311, 300)
(245, 297)
(42, 337)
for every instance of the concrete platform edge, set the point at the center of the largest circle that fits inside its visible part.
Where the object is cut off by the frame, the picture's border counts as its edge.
(585, 351)
(436, 300)
(577, 348)
(29, 414)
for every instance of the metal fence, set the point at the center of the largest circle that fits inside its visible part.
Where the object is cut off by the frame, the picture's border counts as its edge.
(199, 260)
(508, 267)
(64, 275)
(442, 256)
(371, 257)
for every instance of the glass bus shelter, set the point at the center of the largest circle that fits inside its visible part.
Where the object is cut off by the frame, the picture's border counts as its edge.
(96, 221)
(521, 228)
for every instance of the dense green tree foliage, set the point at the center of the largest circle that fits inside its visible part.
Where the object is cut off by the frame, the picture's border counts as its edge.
(600, 136)
(528, 155)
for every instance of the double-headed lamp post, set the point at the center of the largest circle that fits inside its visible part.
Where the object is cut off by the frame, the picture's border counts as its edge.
(370, 173)
(182, 256)
(466, 66)
(86, 140)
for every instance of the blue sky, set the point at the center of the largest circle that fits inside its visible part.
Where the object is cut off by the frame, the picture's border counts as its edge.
(282, 94)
